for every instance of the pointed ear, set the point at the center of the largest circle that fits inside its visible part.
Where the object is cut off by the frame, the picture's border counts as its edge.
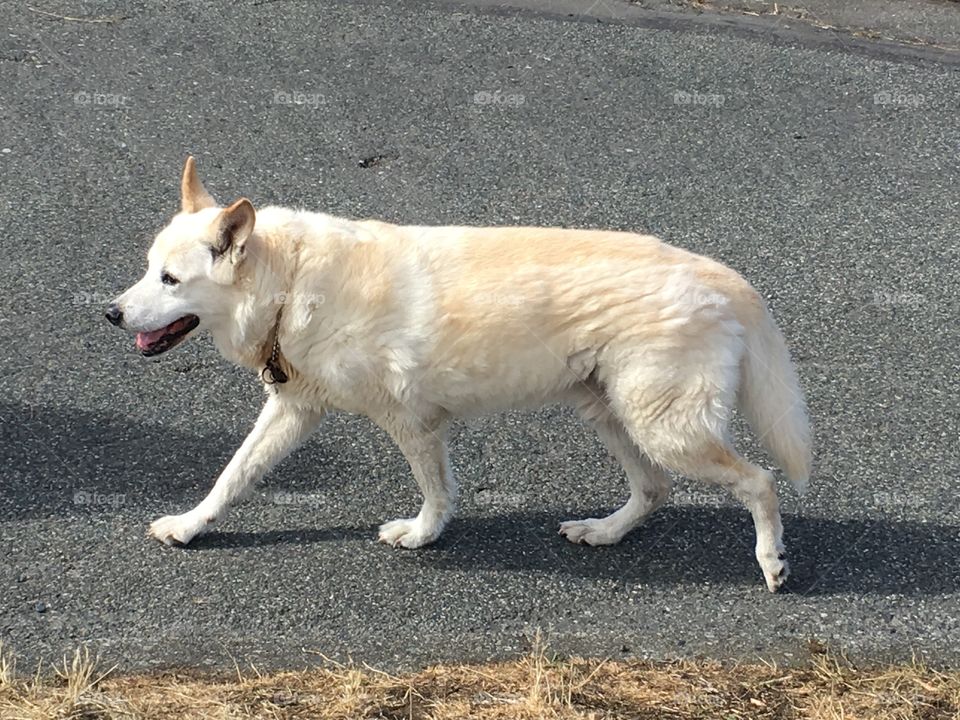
(193, 196)
(235, 226)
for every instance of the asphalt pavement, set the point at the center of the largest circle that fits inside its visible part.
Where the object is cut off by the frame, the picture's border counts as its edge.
(822, 166)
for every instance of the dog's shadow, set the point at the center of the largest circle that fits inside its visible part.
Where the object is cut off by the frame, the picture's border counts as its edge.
(680, 545)
(236, 540)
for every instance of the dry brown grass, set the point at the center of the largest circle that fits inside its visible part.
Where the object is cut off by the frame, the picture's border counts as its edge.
(537, 686)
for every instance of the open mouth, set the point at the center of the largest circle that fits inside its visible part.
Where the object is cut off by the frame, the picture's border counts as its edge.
(159, 341)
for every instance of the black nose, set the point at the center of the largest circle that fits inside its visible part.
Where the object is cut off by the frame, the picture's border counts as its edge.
(114, 314)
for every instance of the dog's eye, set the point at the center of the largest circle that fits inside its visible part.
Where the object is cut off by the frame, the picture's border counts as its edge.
(168, 279)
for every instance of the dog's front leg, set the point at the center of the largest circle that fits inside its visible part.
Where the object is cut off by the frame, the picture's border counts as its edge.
(425, 448)
(279, 429)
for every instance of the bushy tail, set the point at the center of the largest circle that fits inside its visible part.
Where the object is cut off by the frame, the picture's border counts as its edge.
(772, 401)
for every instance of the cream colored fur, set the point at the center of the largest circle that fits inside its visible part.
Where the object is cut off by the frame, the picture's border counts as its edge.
(417, 326)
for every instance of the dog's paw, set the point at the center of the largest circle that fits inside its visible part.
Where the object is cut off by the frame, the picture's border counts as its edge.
(176, 529)
(409, 533)
(590, 532)
(776, 570)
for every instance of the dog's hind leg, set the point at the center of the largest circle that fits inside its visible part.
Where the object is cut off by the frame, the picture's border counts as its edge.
(756, 489)
(686, 432)
(280, 427)
(425, 448)
(649, 484)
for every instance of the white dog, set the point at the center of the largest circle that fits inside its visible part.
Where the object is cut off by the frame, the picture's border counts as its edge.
(416, 326)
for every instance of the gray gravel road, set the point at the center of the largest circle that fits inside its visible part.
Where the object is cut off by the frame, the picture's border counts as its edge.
(823, 168)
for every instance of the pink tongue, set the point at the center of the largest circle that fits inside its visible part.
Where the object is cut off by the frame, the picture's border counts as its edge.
(146, 339)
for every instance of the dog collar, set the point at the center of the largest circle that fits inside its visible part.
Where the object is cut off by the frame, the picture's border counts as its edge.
(272, 373)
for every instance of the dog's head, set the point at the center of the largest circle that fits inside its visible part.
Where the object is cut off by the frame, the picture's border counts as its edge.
(191, 270)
